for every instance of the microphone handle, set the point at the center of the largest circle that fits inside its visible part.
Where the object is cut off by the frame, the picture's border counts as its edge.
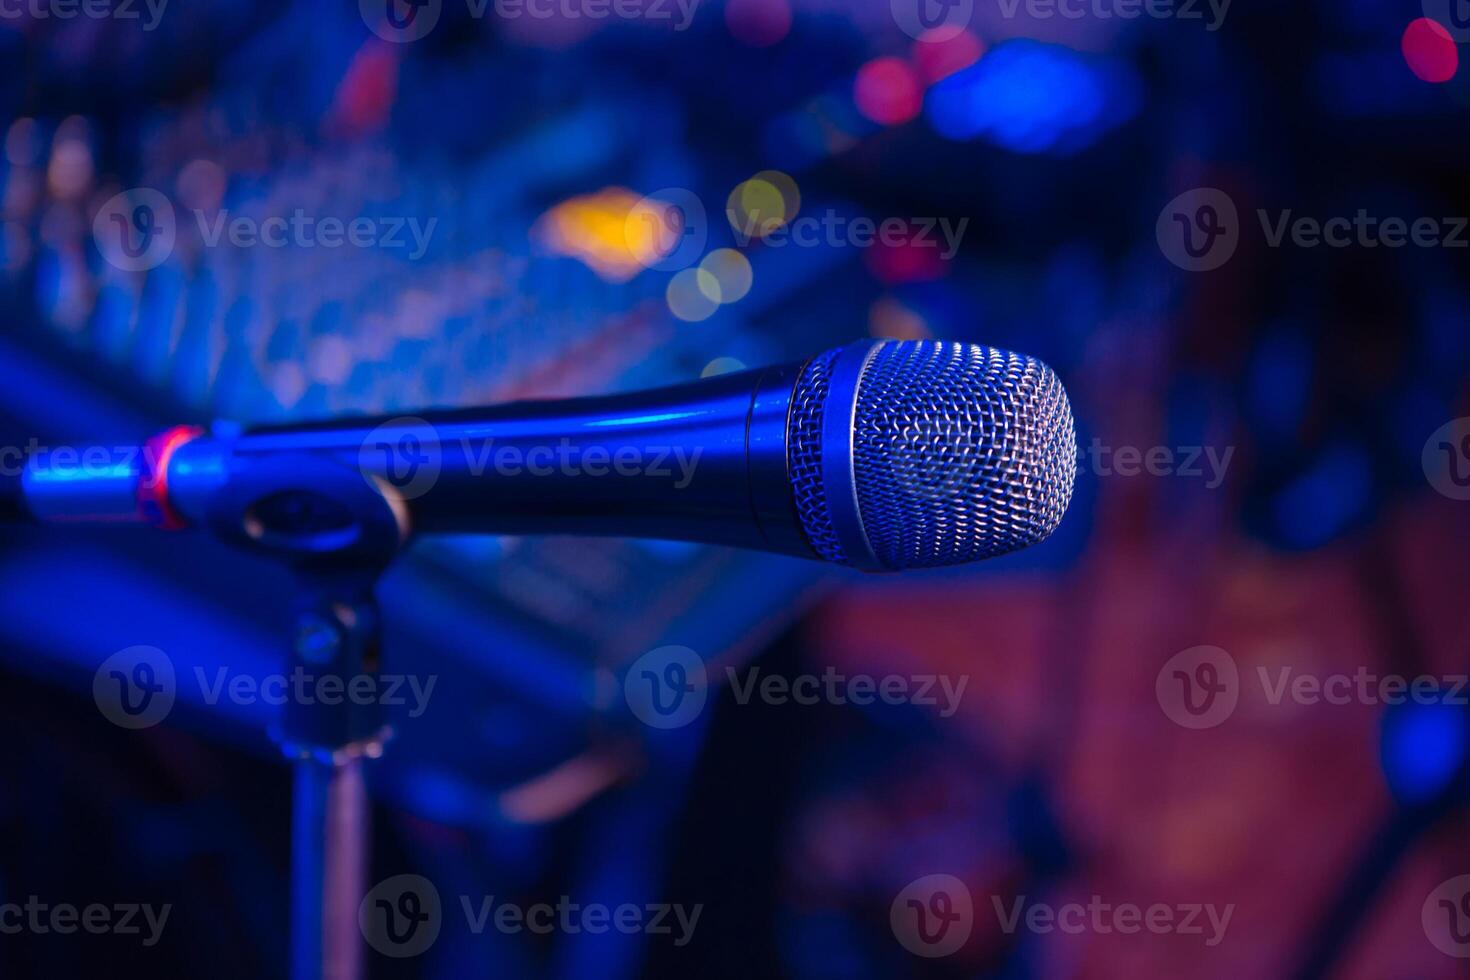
(703, 462)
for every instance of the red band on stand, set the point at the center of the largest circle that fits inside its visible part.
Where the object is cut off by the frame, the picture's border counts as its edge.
(153, 502)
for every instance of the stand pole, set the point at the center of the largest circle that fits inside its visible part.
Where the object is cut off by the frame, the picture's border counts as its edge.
(328, 869)
(328, 734)
(308, 867)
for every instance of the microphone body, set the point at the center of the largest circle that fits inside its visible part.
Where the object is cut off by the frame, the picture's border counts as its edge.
(881, 455)
(697, 462)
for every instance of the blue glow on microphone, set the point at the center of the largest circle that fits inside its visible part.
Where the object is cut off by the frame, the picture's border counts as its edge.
(642, 419)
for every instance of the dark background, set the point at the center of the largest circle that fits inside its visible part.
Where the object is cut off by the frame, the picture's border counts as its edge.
(1328, 546)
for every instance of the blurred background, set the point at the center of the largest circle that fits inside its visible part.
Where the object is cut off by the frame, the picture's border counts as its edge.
(1270, 468)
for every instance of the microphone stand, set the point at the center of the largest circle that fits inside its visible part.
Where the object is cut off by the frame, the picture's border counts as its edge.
(328, 738)
(337, 538)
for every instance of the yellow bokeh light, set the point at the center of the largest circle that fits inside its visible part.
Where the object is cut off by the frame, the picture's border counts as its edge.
(693, 295)
(730, 272)
(599, 230)
(762, 204)
(786, 186)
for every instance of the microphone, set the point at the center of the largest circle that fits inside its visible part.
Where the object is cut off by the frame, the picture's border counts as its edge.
(880, 455)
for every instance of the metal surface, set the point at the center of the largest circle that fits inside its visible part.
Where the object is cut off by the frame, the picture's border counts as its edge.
(676, 464)
(915, 454)
(961, 452)
(840, 421)
(329, 852)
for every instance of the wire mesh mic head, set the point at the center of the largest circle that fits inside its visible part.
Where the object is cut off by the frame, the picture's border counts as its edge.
(916, 454)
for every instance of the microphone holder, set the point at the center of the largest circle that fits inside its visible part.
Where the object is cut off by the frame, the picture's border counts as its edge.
(337, 538)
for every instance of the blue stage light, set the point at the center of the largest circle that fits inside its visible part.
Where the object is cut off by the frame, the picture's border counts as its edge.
(1034, 98)
(1423, 747)
(1323, 501)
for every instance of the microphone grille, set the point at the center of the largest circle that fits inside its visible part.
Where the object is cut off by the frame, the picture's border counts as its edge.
(959, 452)
(804, 438)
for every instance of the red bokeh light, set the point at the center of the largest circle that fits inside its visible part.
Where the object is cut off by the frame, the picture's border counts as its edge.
(938, 55)
(1430, 51)
(911, 260)
(368, 90)
(887, 91)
